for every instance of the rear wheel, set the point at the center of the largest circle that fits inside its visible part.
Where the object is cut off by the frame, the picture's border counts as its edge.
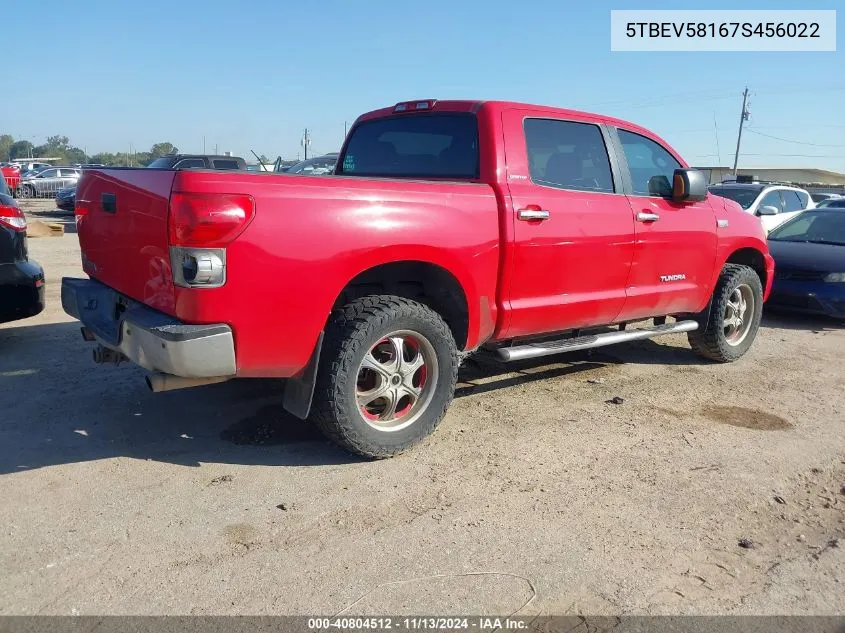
(26, 191)
(734, 316)
(387, 375)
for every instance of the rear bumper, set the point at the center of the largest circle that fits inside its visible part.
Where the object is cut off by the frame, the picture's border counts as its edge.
(809, 297)
(151, 339)
(21, 290)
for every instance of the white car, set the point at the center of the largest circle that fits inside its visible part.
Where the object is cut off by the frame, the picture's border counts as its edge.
(773, 204)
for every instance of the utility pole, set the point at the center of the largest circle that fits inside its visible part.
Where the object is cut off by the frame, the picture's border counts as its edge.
(742, 120)
(344, 129)
(203, 144)
(306, 141)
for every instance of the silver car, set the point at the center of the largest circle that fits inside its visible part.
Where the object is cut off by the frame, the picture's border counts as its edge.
(48, 182)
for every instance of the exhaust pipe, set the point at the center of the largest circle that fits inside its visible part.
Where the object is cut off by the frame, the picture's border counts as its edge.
(103, 354)
(159, 382)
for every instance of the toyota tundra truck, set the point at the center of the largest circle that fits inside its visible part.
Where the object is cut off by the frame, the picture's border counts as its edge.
(446, 227)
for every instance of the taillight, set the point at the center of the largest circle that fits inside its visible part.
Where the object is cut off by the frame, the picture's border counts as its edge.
(80, 210)
(12, 217)
(208, 220)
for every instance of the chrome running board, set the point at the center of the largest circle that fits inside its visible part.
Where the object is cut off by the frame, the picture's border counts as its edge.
(534, 350)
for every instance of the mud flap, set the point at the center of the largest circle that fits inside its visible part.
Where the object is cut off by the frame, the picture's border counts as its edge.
(300, 391)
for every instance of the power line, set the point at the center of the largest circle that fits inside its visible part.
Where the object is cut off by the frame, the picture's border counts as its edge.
(789, 140)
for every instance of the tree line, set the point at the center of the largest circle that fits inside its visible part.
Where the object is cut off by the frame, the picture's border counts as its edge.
(60, 147)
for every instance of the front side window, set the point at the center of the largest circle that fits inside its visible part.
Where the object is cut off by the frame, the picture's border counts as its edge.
(652, 167)
(567, 155)
(772, 199)
(791, 201)
(413, 146)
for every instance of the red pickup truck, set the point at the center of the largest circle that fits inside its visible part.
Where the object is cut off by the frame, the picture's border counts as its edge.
(447, 226)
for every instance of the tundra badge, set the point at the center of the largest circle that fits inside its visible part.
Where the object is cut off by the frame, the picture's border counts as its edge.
(672, 277)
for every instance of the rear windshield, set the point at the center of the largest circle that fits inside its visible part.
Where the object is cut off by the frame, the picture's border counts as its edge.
(226, 163)
(745, 196)
(414, 146)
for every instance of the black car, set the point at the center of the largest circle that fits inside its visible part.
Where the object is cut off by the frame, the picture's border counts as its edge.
(809, 253)
(198, 161)
(66, 198)
(21, 279)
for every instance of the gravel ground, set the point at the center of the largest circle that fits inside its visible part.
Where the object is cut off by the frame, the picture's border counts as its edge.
(534, 494)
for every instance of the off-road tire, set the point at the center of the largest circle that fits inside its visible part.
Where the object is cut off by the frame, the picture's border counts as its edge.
(711, 342)
(351, 332)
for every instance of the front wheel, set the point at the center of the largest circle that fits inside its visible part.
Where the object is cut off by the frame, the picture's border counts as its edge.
(26, 191)
(387, 374)
(734, 318)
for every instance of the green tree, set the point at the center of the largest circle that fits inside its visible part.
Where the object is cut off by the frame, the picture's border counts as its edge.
(74, 155)
(6, 142)
(21, 149)
(104, 158)
(160, 149)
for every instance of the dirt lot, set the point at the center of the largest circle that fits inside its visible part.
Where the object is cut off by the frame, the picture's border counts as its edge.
(534, 493)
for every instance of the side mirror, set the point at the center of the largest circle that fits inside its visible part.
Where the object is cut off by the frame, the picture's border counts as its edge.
(767, 209)
(689, 185)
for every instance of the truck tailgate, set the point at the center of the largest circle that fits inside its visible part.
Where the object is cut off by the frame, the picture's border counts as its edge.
(122, 226)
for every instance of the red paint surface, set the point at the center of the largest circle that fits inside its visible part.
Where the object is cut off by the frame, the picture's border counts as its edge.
(591, 263)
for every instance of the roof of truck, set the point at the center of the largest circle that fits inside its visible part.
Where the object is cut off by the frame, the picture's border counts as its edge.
(465, 105)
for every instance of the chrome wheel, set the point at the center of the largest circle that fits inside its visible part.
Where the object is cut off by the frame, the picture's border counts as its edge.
(739, 315)
(396, 380)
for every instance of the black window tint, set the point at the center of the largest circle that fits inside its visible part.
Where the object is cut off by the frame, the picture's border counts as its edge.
(190, 163)
(772, 199)
(568, 155)
(651, 166)
(225, 163)
(413, 146)
(791, 201)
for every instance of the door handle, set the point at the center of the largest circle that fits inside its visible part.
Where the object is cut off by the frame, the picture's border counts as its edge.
(643, 216)
(533, 214)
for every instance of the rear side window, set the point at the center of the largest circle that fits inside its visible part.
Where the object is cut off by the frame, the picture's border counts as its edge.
(651, 165)
(225, 163)
(414, 146)
(4, 188)
(567, 155)
(791, 200)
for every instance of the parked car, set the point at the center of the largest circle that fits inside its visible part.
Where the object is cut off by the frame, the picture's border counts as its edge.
(818, 197)
(319, 166)
(66, 198)
(774, 204)
(21, 279)
(527, 230)
(809, 253)
(11, 173)
(47, 182)
(834, 203)
(198, 161)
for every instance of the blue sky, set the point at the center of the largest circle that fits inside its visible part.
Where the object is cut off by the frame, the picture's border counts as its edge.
(253, 75)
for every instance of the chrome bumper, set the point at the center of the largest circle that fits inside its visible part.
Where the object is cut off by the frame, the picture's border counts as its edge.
(151, 339)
